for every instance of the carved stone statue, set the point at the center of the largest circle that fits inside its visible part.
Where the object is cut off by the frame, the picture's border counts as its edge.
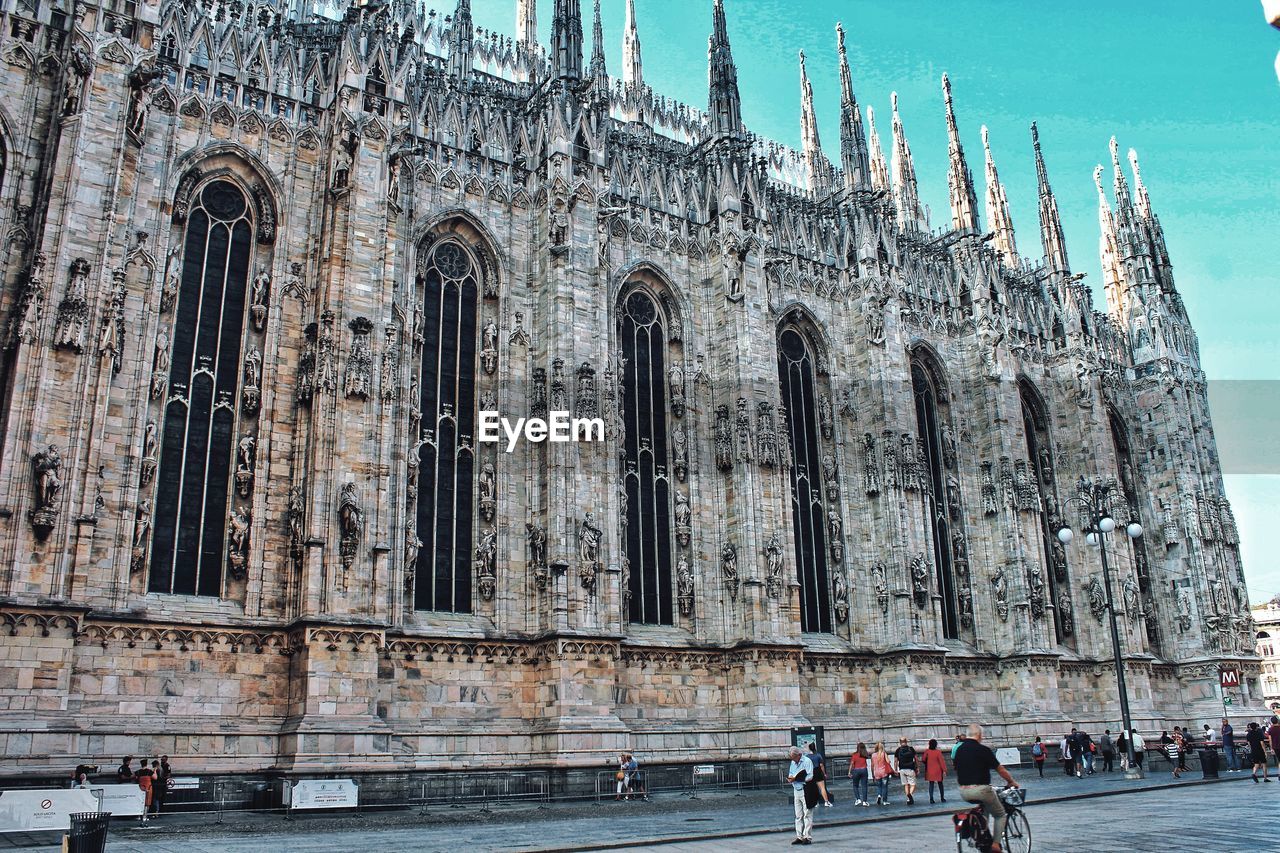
(684, 586)
(1097, 596)
(141, 96)
(724, 440)
(873, 316)
(295, 514)
(1000, 591)
(518, 334)
(1066, 614)
(1132, 598)
(879, 582)
(350, 523)
(920, 580)
(589, 538)
(675, 381)
(1035, 592)
(47, 468)
(244, 466)
(342, 161)
(486, 564)
(840, 596)
(683, 517)
(773, 562)
(489, 347)
(729, 568)
(1182, 599)
(488, 491)
(870, 466)
(259, 297)
(73, 313)
(238, 554)
(826, 416)
(948, 446)
(536, 537)
(989, 340)
(742, 426)
(251, 393)
(680, 452)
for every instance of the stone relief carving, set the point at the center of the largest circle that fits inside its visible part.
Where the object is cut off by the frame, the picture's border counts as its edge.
(773, 563)
(1182, 602)
(873, 315)
(251, 392)
(1066, 614)
(538, 394)
(72, 322)
(964, 599)
(307, 366)
(358, 378)
(589, 538)
(588, 403)
(487, 564)
(24, 326)
(729, 568)
(536, 538)
(46, 471)
(326, 358)
(111, 338)
(870, 466)
(238, 552)
(723, 439)
(990, 502)
(889, 452)
(389, 368)
(989, 340)
(684, 586)
(141, 94)
(518, 334)
(920, 580)
(293, 285)
(1035, 591)
(1097, 596)
(1059, 560)
(350, 525)
(879, 581)
(732, 256)
(766, 435)
(1000, 592)
(680, 452)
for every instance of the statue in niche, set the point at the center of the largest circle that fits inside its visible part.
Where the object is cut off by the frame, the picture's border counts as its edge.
(536, 537)
(1000, 591)
(589, 538)
(260, 294)
(486, 563)
(683, 517)
(729, 568)
(684, 586)
(489, 348)
(238, 554)
(680, 452)
(773, 562)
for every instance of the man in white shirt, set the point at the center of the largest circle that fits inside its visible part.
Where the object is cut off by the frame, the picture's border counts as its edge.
(801, 771)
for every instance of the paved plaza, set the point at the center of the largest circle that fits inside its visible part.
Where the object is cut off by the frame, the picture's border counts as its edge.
(1102, 813)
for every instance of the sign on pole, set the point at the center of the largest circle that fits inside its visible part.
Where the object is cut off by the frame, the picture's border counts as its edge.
(1229, 678)
(704, 770)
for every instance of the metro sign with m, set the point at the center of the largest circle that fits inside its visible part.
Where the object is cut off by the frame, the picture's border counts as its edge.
(1229, 678)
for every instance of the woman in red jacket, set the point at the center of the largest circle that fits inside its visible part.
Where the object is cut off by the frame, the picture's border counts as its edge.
(935, 769)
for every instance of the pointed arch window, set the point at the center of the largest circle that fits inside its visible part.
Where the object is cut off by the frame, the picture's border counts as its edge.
(449, 283)
(1035, 426)
(808, 514)
(944, 514)
(201, 411)
(645, 474)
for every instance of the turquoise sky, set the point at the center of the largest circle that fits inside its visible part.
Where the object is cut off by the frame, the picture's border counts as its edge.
(1190, 85)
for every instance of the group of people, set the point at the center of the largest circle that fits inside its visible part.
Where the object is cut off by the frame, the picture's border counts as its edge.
(153, 780)
(971, 760)
(1259, 738)
(628, 777)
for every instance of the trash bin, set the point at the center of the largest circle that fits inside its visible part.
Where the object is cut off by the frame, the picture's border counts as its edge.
(88, 832)
(1209, 763)
(260, 797)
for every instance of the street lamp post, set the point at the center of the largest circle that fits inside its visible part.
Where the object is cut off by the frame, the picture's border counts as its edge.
(1094, 499)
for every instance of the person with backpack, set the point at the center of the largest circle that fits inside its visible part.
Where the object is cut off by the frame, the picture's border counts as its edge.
(1108, 751)
(1037, 755)
(1066, 752)
(904, 762)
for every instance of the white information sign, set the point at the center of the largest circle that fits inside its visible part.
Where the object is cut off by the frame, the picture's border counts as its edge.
(184, 783)
(1009, 756)
(324, 794)
(122, 800)
(704, 770)
(33, 810)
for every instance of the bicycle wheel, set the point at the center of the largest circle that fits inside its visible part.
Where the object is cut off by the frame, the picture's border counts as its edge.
(1017, 833)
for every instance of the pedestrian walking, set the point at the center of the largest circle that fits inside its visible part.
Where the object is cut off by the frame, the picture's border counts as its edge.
(1173, 749)
(881, 770)
(1229, 746)
(163, 774)
(859, 769)
(956, 745)
(1122, 747)
(1037, 755)
(1108, 751)
(820, 772)
(1256, 739)
(1084, 748)
(799, 774)
(1182, 737)
(974, 762)
(157, 788)
(935, 769)
(627, 767)
(904, 762)
(1273, 735)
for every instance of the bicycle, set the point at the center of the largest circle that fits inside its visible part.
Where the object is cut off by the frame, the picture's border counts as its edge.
(973, 832)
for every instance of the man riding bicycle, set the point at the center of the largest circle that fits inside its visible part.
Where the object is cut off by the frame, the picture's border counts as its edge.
(974, 762)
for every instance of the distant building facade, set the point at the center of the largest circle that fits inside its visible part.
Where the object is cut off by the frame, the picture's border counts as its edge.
(1267, 619)
(266, 262)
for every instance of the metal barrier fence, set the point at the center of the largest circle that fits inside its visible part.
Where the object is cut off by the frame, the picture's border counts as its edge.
(483, 788)
(689, 780)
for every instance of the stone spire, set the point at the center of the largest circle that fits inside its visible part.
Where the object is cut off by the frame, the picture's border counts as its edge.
(1108, 251)
(1051, 236)
(810, 143)
(566, 40)
(461, 36)
(632, 75)
(998, 218)
(964, 202)
(1123, 199)
(1140, 190)
(723, 102)
(879, 169)
(527, 23)
(599, 74)
(854, 159)
(906, 193)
